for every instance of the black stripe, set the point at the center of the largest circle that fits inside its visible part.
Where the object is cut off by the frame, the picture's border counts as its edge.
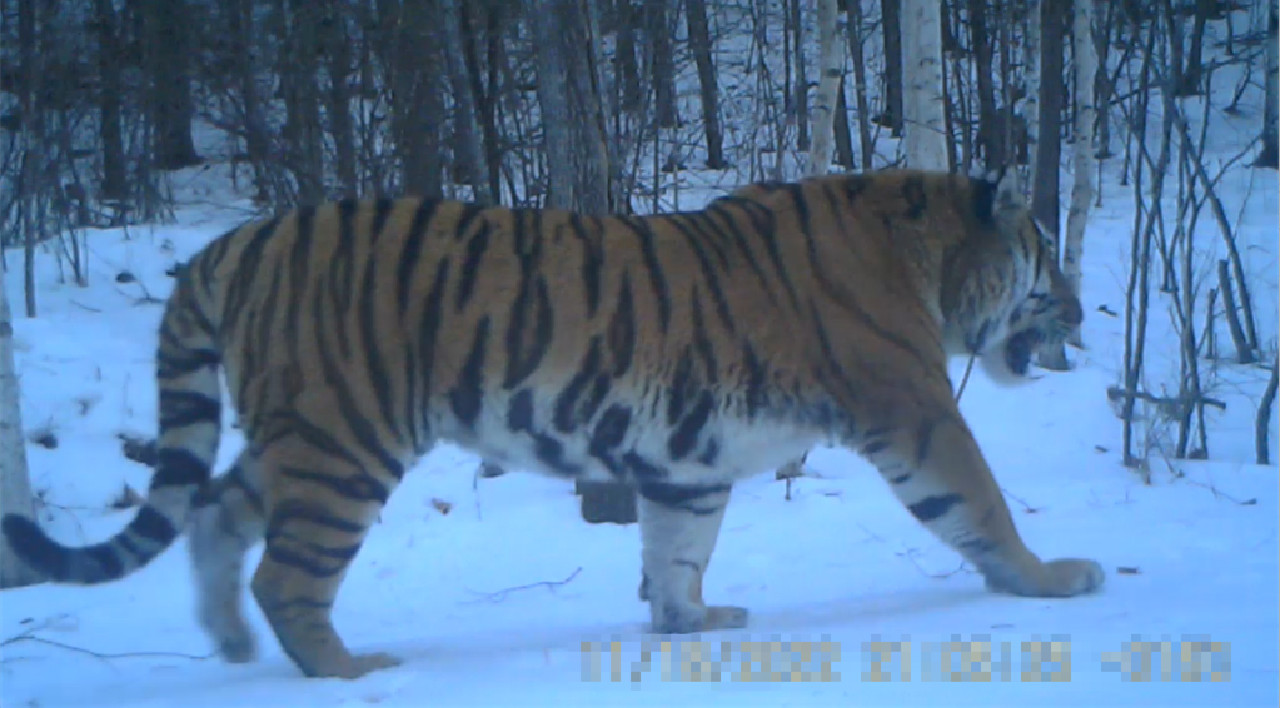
(527, 342)
(153, 526)
(178, 362)
(924, 438)
(571, 409)
(520, 412)
(176, 467)
(350, 412)
(722, 209)
(428, 328)
(360, 486)
(477, 245)
(466, 397)
(933, 508)
(685, 437)
(380, 379)
(182, 408)
(657, 276)
(697, 500)
(300, 275)
(341, 285)
(621, 334)
(708, 271)
(406, 267)
(592, 258)
(242, 280)
(756, 374)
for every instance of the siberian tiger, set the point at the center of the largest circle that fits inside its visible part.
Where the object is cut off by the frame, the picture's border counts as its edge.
(678, 352)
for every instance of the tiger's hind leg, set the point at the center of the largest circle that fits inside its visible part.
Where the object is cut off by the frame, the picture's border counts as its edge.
(226, 522)
(320, 504)
(937, 470)
(678, 530)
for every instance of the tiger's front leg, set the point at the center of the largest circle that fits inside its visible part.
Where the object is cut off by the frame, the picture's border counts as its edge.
(678, 530)
(936, 469)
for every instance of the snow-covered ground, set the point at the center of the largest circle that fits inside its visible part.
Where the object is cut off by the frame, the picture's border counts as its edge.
(505, 597)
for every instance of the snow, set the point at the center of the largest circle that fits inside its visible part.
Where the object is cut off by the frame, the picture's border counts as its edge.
(510, 599)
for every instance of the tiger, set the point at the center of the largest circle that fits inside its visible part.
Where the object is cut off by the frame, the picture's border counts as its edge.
(677, 353)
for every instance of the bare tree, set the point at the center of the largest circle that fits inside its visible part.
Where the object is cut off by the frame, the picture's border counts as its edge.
(15, 485)
(1270, 154)
(170, 102)
(1085, 70)
(1262, 424)
(923, 104)
(865, 144)
(700, 46)
(1046, 191)
(832, 73)
(891, 25)
(467, 138)
(657, 16)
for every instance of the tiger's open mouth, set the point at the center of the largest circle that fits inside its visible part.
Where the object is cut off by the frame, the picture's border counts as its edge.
(1019, 348)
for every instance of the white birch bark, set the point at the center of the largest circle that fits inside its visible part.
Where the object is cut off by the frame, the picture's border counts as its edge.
(923, 108)
(1031, 81)
(1086, 66)
(15, 485)
(831, 60)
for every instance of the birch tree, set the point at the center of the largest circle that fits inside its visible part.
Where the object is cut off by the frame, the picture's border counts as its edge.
(1085, 69)
(1031, 82)
(832, 70)
(923, 105)
(15, 486)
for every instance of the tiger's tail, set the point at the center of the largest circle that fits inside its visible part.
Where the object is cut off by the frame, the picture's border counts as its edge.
(190, 417)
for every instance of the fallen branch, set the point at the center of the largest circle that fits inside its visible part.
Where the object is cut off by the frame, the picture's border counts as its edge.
(1115, 393)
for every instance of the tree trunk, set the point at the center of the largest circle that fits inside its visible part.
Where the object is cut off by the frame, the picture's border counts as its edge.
(990, 136)
(1031, 81)
(700, 46)
(335, 43)
(664, 67)
(115, 180)
(170, 103)
(1085, 69)
(466, 138)
(1270, 154)
(628, 69)
(417, 111)
(891, 16)
(843, 136)
(303, 135)
(1262, 424)
(1045, 203)
(832, 70)
(865, 145)
(800, 89)
(924, 110)
(15, 484)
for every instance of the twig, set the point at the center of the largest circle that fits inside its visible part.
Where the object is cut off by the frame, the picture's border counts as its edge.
(501, 595)
(1025, 506)
(86, 307)
(30, 636)
(911, 553)
(968, 369)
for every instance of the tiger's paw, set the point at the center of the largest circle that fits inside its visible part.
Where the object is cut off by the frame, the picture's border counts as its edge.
(357, 665)
(238, 650)
(1065, 577)
(673, 619)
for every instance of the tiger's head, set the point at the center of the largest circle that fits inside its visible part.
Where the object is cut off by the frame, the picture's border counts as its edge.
(1041, 310)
